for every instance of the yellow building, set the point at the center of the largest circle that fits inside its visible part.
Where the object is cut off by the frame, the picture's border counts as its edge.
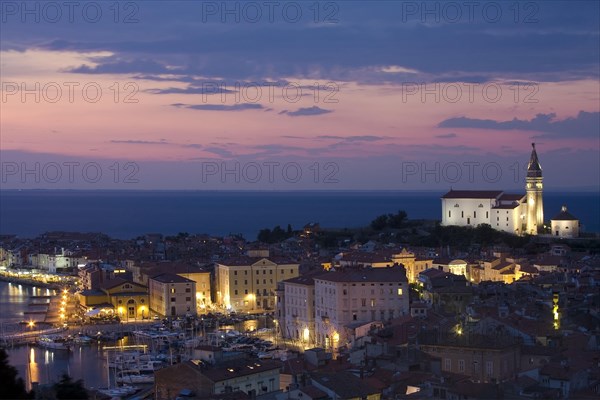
(127, 299)
(172, 295)
(502, 270)
(249, 283)
(413, 265)
(142, 272)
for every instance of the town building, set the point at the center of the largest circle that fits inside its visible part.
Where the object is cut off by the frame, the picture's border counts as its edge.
(564, 224)
(296, 309)
(477, 357)
(142, 272)
(172, 295)
(121, 297)
(349, 296)
(251, 377)
(248, 284)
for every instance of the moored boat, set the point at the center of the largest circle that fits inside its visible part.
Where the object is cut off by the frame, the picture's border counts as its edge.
(54, 342)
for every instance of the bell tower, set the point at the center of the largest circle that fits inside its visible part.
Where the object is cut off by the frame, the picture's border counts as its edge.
(534, 186)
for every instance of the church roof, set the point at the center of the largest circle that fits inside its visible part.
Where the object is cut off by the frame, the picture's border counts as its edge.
(511, 197)
(506, 206)
(534, 169)
(564, 215)
(472, 194)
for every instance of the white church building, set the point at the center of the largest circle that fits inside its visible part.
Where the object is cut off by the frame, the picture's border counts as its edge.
(513, 213)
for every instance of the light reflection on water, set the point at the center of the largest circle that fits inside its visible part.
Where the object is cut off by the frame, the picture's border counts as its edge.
(36, 364)
(15, 299)
(46, 365)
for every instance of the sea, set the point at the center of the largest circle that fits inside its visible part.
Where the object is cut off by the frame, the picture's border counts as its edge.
(129, 214)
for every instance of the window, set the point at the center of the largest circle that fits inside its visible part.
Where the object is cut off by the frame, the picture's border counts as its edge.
(449, 214)
(372, 302)
(447, 364)
(235, 272)
(172, 290)
(245, 281)
(345, 291)
(264, 281)
(354, 316)
(172, 299)
(291, 271)
(235, 282)
(461, 365)
(462, 214)
(489, 368)
(399, 291)
(188, 299)
(258, 281)
(363, 302)
(474, 214)
(487, 214)
(246, 291)
(235, 292)
(270, 272)
(188, 290)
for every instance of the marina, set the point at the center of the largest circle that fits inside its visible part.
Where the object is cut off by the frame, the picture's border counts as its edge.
(119, 359)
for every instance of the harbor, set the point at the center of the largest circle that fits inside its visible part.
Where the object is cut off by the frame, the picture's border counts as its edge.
(117, 359)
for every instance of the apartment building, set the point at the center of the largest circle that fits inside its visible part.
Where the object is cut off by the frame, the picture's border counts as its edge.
(349, 297)
(237, 378)
(172, 295)
(297, 321)
(250, 283)
(483, 359)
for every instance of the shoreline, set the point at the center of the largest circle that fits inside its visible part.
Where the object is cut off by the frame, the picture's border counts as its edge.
(30, 282)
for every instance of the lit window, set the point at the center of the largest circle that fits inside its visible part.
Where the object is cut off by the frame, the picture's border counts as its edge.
(399, 291)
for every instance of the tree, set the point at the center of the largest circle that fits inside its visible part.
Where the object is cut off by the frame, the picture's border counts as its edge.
(396, 221)
(12, 387)
(264, 235)
(66, 389)
(380, 222)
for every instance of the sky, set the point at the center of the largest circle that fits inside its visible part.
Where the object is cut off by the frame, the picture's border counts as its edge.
(298, 95)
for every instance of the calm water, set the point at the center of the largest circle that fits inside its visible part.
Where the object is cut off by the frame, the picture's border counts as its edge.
(41, 365)
(14, 299)
(127, 214)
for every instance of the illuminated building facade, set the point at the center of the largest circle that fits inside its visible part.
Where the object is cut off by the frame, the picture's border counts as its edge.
(172, 295)
(346, 297)
(249, 284)
(297, 321)
(126, 299)
(513, 213)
